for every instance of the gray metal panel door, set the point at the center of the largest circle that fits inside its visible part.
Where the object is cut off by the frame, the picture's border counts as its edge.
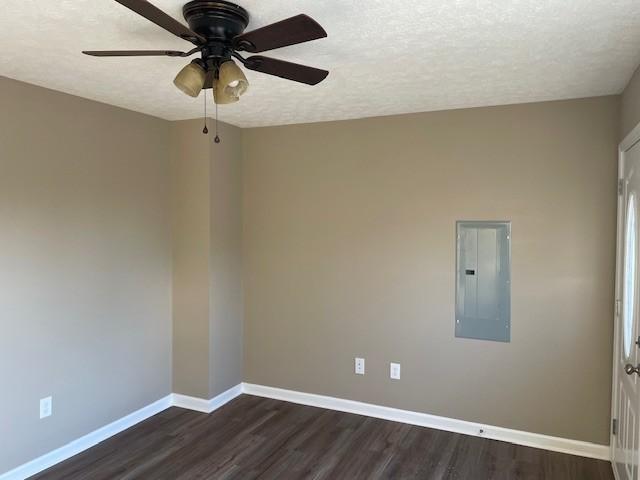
(483, 281)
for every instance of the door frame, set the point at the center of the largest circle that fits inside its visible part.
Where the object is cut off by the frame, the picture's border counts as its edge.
(629, 142)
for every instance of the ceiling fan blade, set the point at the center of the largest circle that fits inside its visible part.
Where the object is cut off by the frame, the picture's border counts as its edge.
(291, 31)
(157, 16)
(134, 53)
(288, 70)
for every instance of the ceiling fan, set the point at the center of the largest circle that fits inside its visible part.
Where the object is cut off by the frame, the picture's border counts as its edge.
(216, 29)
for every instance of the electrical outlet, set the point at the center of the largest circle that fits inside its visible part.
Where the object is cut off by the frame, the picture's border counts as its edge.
(394, 371)
(46, 407)
(360, 366)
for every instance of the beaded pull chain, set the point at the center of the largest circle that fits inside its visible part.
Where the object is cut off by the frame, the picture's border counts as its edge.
(205, 130)
(217, 139)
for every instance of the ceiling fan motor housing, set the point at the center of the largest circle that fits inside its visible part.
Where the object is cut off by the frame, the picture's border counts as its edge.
(218, 21)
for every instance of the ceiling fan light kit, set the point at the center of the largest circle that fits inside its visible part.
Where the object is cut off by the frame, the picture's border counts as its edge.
(216, 28)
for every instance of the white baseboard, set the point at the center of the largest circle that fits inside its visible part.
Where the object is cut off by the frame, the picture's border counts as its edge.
(87, 441)
(546, 442)
(206, 406)
(556, 444)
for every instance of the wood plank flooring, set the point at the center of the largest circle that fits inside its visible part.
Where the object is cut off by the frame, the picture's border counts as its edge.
(257, 438)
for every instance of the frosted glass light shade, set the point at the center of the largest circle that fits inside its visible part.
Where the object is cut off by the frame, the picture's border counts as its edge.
(231, 83)
(220, 97)
(191, 79)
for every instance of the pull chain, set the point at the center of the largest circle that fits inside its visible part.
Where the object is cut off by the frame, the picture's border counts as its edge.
(205, 130)
(217, 139)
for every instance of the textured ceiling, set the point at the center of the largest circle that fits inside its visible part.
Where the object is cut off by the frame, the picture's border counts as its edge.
(385, 56)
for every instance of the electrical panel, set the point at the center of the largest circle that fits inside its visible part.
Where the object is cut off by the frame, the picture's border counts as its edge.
(483, 280)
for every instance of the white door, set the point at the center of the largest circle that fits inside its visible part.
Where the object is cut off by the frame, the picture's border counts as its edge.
(626, 382)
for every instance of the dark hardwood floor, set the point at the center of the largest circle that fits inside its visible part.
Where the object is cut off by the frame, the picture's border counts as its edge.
(251, 438)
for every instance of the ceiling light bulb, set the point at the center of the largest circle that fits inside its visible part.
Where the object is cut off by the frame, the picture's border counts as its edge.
(231, 83)
(191, 79)
(221, 98)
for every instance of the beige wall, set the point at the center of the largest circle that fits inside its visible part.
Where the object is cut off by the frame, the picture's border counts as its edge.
(349, 250)
(85, 267)
(103, 212)
(207, 288)
(630, 108)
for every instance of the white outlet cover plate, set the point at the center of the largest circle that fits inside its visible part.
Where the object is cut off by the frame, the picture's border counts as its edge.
(394, 371)
(46, 407)
(359, 366)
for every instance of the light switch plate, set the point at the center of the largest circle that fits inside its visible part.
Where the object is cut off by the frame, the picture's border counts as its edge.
(394, 371)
